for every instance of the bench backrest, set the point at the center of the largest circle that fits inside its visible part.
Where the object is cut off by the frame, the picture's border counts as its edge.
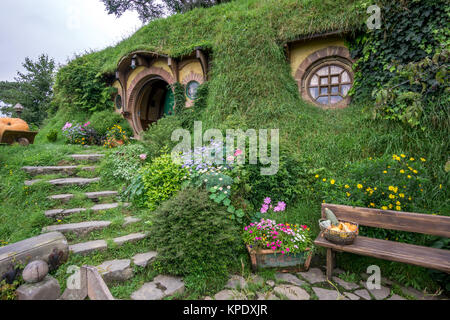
(394, 220)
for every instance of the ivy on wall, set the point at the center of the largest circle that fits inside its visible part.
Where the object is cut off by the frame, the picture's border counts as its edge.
(410, 31)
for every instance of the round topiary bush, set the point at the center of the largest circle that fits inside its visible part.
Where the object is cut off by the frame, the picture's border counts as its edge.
(105, 120)
(195, 238)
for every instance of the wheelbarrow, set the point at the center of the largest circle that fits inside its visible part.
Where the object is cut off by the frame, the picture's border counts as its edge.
(15, 131)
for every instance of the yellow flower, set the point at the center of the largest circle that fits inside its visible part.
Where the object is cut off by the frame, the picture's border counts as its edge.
(391, 196)
(317, 176)
(347, 186)
(391, 188)
(409, 177)
(324, 180)
(402, 155)
(372, 204)
(423, 159)
(402, 171)
(390, 206)
(384, 207)
(398, 208)
(440, 186)
(411, 159)
(348, 194)
(401, 195)
(332, 181)
(384, 171)
(360, 186)
(409, 198)
(398, 203)
(415, 171)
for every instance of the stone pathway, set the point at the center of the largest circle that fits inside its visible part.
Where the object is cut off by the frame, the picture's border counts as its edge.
(310, 285)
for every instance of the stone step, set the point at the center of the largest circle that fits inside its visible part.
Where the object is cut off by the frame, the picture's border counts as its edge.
(89, 195)
(66, 181)
(69, 170)
(130, 238)
(86, 248)
(143, 259)
(115, 270)
(78, 228)
(61, 213)
(131, 220)
(87, 157)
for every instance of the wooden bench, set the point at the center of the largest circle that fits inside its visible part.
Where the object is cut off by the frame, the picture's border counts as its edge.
(427, 257)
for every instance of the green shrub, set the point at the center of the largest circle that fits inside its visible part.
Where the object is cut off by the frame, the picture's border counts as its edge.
(104, 120)
(52, 136)
(123, 162)
(162, 179)
(195, 239)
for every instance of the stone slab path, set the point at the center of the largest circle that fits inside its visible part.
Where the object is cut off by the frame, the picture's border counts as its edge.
(65, 181)
(61, 213)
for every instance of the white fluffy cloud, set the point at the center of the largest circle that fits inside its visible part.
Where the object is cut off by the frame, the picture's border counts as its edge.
(59, 28)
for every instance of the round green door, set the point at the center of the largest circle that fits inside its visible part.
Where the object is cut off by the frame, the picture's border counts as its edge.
(169, 103)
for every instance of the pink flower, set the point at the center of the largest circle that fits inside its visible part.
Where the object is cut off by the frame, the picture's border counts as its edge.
(251, 231)
(274, 248)
(267, 200)
(230, 159)
(238, 153)
(264, 208)
(287, 249)
(143, 157)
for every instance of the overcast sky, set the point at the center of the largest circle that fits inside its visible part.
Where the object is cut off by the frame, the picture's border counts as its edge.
(59, 28)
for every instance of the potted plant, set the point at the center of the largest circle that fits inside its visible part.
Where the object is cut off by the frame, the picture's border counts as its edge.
(276, 245)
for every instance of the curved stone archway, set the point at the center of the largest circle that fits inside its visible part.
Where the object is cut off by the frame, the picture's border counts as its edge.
(135, 90)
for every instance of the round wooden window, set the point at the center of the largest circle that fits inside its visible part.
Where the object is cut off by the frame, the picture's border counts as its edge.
(329, 84)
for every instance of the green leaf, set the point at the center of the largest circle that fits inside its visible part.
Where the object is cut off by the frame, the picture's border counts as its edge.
(240, 213)
(227, 202)
(231, 209)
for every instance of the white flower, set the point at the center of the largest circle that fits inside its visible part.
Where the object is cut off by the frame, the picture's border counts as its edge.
(228, 187)
(220, 188)
(220, 179)
(226, 192)
(206, 180)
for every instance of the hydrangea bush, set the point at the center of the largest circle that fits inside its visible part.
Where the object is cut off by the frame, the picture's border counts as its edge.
(83, 134)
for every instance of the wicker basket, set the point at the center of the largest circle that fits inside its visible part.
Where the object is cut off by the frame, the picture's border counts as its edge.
(342, 238)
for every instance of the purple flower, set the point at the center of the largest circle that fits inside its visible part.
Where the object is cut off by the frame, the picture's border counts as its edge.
(280, 207)
(264, 208)
(267, 201)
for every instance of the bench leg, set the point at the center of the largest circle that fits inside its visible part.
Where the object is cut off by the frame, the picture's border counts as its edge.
(330, 263)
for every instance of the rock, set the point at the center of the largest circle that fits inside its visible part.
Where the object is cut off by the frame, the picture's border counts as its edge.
(363, 293)
(86, 248)
(149, 291)
(106, 206)
(396, 297)
(61, 213)
(87, 157)
(346, 285)
(207, 298)
(73, 181)
(78, 228)
(229, 295)
(289, 278)
(47, 289)
(236, 281)
(314, 275)
(34, 171)
(101, 194)
(292, 292)
(172, 285)
(270, 283)
(379, 294)
(35, 271)
(36, 248)
(115, 270)
(62, 197)
(159, 288)
(324, 294)
(143, 259)
(130, 220)
(266, 296)
(417, 294)
(224, 295)
(352, 296)
(256, 279)
(129, 238)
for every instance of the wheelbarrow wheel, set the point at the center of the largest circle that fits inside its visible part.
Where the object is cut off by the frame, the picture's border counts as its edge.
(23, 142)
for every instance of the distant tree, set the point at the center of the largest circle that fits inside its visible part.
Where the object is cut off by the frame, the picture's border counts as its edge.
(153, 9)
(32, 89)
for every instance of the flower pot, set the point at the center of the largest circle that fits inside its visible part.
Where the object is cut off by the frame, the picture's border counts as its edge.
(263, 259)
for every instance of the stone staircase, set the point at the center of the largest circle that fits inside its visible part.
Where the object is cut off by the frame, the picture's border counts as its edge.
(112, 271)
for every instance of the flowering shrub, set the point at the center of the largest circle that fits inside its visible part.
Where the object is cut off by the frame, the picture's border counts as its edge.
(115, 137)
(397, 182)
(124, 162)
(267, 208)
(80, 134)
(269, 235)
